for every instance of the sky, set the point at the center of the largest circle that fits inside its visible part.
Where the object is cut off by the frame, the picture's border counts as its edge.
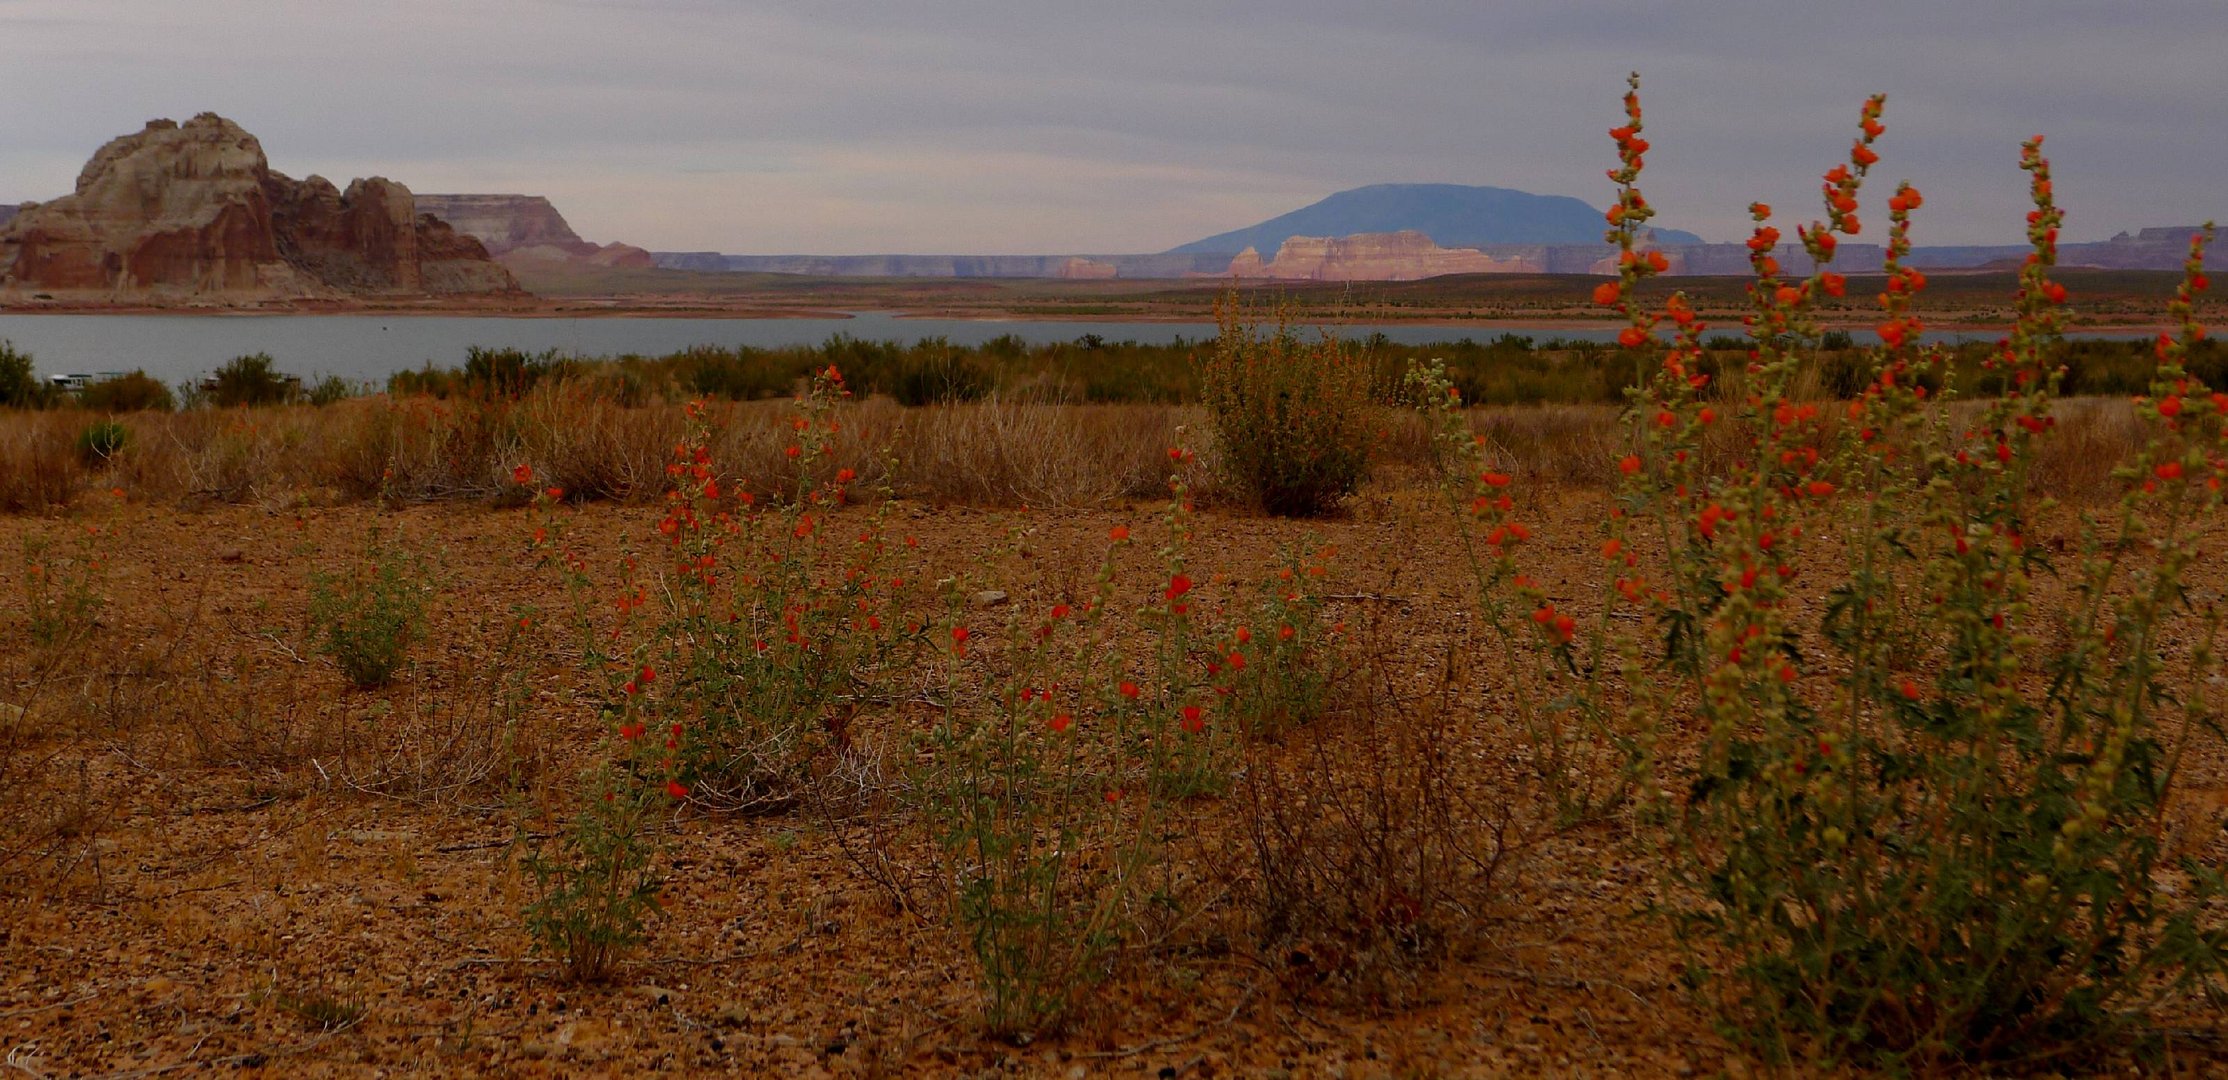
(1054, 127)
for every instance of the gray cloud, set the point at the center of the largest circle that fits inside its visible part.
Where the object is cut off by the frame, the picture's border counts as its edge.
(905, 125)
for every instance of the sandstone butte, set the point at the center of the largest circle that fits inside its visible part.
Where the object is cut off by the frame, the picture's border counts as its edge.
(526, 233)
(192, 215)
(1396, 256)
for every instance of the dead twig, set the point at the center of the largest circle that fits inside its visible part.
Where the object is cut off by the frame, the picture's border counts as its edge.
(36, 1009)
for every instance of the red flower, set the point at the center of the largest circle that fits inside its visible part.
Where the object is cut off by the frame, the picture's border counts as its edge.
(1060, 722)
(676, 789)
(1630, 464)
(1118, 533)
(959, 634)
(1195, 720)
(1608, 293)
(1910, 690)
(1129, 690)
(523, 474)
(1632, 337)
(649, 675)
(1177, 586)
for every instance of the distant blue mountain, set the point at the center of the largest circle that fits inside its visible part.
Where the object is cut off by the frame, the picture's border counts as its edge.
(1453, 215)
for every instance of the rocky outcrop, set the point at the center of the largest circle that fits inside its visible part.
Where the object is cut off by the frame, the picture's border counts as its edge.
(526, 231)
(8, 212)
(1395, 256)
(1081, 269)
(193, 213)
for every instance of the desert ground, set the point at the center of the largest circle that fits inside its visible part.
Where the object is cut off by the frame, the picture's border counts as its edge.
(220, 854)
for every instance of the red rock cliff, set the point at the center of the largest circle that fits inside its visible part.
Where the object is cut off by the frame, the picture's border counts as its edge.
(193, 213)
(525, 230)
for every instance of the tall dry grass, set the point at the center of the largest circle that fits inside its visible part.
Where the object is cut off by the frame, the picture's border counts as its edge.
(995, 452)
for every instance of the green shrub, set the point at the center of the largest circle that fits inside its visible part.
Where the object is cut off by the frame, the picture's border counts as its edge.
(250, 380)
(935, 373)
(1290, 419)
(133, 391)
(331, 389)
(20, 388)
(599, 887)
(101, 441)
(367, 618)
(509, 372)
(738, 374)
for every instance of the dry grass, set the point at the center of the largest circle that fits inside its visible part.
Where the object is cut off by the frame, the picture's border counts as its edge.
(1000, 452)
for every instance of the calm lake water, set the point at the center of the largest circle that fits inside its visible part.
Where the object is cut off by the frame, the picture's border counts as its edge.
(370, 347)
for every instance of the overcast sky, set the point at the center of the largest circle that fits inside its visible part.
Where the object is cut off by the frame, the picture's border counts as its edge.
(870, 126)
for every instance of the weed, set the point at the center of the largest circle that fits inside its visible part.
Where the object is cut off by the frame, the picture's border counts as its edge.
(366, 618)
(596, 891)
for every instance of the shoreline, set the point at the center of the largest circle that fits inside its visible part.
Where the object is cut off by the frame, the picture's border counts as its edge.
(560, 310)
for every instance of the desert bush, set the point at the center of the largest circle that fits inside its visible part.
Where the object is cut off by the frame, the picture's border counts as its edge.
(1050, 781)
(367, 617)
(772, 626)
(934, 373)
(1276, 664)
(596, 884)
(508, 372)
(1373, 843)
(1943, 847)
(738, 374)
(1290, 419)
(101, 440)
(133, 391)
(253, 379)
(1023, 789)
(331, 389)
(20, 387)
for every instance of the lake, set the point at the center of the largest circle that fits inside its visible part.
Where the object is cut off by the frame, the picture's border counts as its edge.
(175, 348)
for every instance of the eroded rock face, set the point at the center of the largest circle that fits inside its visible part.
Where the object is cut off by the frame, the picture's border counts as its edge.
(1396, 256)
(193, 213)
(527, 230)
